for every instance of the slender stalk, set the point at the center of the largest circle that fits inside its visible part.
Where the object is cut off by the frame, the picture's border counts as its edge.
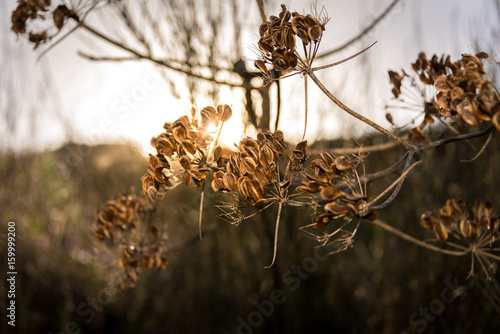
(343, 60)
(454, 139)
(398, 183)
(305, 120)
(353, 150)
(280, 206)
(260, 3)
(420, 243)
(355, 114)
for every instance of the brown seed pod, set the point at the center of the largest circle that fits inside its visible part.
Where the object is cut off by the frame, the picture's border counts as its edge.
(179, 133)
(314, 33)
(229, 180)
(259, 64)
(189, 146)
(343, 163)
(208, 115)
(465, 228)
(187, 177)
(336, 209)
(323, 219)
(329, 193)
(227, 112)
(426, 220)
(218, 184)
(185, 162)
(440, 231)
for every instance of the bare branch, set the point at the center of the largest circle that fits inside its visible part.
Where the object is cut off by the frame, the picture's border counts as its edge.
(362, 33)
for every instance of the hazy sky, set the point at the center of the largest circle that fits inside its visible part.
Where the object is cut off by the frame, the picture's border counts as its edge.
(130, 102)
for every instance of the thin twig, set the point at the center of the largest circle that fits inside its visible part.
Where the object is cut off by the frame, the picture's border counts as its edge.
(349, 150)
(280, 206)
(305, 120)
(343, 60)
(456, 138)
(398, 183)
(481, 150)
(200, 217)
(260, 3)
(420, 243)
(362, 33)
(355, 114)
(157, 61)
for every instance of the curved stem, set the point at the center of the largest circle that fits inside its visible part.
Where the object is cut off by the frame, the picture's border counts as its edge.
(416, 241)
(280, 206)
(398, 183)
(355, 114)
(456, 138)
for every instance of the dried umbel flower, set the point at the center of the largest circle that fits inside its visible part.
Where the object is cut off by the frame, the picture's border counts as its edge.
(464, 91)
(477, 231)
(277, 42)
(136, 258)
(454, 219)
(251, 167)
(117, 214)
(186, 141)
(328, 170)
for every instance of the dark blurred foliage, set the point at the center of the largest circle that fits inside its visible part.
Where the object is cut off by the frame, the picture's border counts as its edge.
(212, 285)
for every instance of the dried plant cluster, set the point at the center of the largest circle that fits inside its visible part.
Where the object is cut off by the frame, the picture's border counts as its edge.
(261, 172)
(277, 42)
(464, 91)
(121, 220)
(52, 18)
(478, 231)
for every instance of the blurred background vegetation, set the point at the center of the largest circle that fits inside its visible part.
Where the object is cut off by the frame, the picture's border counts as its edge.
(372, 287)
(211, 285)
